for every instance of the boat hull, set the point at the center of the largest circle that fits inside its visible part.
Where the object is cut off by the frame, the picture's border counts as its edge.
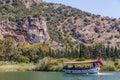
(82, 71)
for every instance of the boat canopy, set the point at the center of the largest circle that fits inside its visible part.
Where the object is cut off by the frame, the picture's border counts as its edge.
(85, 62)
(81, 62)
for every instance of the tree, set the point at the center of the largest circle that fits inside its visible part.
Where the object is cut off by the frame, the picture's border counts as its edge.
(1, 50)
(84, 51)
(112, 53)
(108, 54)
(33, 54)
(8, 48)
(98, 50)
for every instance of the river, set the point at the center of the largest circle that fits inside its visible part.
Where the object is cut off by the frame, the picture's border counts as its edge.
(57, 76)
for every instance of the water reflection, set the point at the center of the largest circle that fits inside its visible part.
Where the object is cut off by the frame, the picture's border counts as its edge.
(57, 76)
(100, 76)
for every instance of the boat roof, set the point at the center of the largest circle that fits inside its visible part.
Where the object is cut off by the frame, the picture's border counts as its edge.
(81, 62)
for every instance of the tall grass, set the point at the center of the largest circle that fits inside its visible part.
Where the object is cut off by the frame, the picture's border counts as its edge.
(110, 66)
(14, 66)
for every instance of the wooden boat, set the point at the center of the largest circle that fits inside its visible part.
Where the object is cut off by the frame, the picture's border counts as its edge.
(91, 69)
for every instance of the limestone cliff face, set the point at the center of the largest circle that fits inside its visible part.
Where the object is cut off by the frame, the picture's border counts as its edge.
(33, 30)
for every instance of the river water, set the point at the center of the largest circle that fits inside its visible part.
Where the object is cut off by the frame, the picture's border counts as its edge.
(57, 76)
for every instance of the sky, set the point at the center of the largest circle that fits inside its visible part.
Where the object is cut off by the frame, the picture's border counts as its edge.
(109, 8)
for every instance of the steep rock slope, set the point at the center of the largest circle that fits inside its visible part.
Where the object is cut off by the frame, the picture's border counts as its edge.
(33, 30)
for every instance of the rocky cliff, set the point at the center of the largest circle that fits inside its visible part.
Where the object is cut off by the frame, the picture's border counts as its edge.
(32, 30)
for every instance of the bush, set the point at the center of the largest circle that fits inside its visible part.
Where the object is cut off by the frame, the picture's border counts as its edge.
(80, 59)
(108, 68)
(51, 65)
(24, 59)
(96, 30)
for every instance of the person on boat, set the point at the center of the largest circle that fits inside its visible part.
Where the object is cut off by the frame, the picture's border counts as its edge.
(95, 64)
(73, 67)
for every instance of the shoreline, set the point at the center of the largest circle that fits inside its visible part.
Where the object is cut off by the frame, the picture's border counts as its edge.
(50, 65)
(16, 67)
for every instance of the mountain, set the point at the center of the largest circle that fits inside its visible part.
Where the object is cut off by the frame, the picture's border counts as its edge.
(34, 21)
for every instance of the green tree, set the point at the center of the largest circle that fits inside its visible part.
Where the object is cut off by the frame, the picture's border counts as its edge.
(8, 48)
(98, 50)
(84, 51)
(108, 54)
(33, 54)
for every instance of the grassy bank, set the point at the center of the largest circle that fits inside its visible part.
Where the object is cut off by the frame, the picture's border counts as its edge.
(13, 66)
(50, 64)
(111, 65)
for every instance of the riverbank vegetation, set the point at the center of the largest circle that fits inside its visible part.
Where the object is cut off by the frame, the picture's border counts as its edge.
(6, 66)
(36, 54)
(111, 65)
(27, 53)
(52, 64)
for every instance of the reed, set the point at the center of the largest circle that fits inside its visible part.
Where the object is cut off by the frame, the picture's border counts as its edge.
(14, 66)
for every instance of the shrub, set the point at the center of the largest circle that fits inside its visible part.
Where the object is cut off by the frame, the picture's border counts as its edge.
(96, 30)
(108, 68)
(80, 59)
(24, 59)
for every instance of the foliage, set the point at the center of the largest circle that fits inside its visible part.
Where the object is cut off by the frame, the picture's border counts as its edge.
(14, 66)
(24, 59)
(108, 66)
(33, 53)
(80, 59)
(84, 51)
(98, 49)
